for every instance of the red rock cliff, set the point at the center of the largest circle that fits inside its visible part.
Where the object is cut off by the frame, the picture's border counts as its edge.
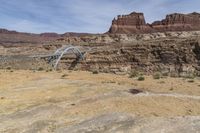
(132, 23)
(135, 23)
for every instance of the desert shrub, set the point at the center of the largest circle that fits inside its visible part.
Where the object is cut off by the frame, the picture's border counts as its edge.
(11, 71)
(106, 71)
(189, 76)
(133, 74)
(191, 81)
(40, 69)
(157, 75)
(8, 68)
(33, 71)
(141, 78)
(2, 98)
(64, 75)
(49, 70)
(75, 69)
(95, 72)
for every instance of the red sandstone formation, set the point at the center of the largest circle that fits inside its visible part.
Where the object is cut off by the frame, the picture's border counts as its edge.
(135, 23)
(132, 23)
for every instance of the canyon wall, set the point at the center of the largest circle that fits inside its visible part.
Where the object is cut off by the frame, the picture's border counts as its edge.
(135, 23)
(171, 45)
(170, 52)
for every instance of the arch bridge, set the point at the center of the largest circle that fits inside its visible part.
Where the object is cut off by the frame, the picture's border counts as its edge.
(55, 58)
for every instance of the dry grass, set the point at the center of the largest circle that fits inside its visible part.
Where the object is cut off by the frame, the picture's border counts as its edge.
(92, 94)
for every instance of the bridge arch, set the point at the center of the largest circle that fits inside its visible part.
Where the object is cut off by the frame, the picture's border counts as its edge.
(62, 51)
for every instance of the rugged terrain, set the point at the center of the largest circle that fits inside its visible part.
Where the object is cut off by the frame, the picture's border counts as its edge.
(115, 96)
(77, 101)
(135, 23)
(170, 52)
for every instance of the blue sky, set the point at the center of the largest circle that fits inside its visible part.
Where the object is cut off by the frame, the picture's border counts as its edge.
(93, 16)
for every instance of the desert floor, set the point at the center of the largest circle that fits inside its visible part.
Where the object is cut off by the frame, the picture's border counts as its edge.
(78, 101)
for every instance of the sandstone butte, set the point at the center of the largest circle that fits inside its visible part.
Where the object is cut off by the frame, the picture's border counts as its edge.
(135, 23)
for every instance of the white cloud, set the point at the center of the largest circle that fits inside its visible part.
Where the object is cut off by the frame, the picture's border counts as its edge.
(82, 15)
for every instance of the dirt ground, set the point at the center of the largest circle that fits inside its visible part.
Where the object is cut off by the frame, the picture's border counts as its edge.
(73, 101)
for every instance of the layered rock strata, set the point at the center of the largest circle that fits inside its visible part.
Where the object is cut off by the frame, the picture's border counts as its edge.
(173, 52)
(135, 23)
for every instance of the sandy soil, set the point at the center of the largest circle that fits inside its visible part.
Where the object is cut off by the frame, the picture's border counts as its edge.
(63, 101)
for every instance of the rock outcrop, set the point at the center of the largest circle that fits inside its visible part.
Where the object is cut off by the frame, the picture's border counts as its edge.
(132, 23)
(5, 31)
(135, 23)
(171, 52)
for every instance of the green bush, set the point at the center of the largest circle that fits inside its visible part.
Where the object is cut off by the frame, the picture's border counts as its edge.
(189, 76)
(8, 68)
(157, 75)
(141, 78)
(191, 81)
(133, 74)
(64, 75)
(49, 70)
(40, 69)
(95, 72)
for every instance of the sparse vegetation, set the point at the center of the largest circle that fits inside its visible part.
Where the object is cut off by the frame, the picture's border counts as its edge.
(8, 68)
(109, 81)
(49, 70)
(191, 81)
(189, 76)
(75, 69)
(133, 74)
(141, 78)
(2, 98)
(40, 69)
(64, 75)
(157, 75)
(95, 72)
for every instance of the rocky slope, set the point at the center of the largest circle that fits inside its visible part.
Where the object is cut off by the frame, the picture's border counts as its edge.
(170, 52)
(135, 23)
